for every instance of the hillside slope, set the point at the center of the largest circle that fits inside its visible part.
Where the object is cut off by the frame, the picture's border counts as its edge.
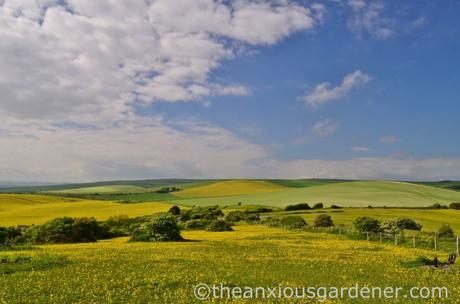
(351, 194)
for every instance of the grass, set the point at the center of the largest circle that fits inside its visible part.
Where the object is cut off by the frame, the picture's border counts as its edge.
(345, 194)
(230, 188)
(116, 271)
(23, 209)
(430, 219)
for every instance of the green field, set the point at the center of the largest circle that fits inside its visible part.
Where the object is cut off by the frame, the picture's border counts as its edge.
(116, 271)
(430, 219)
(103, 190)
(345, 194)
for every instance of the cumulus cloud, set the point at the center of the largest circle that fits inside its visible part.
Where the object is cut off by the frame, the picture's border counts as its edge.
(324, 128)
(367, 17)
(324, 93)
(71, 59)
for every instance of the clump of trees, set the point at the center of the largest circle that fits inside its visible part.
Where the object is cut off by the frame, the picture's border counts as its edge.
(293, 222)
(219, 225)
(239, 216)
(446, 231)
(455, 206)
(323, 220)
(367, 224)
(64, 230)
(318, 206)
(160, 228)
(301, 206)
(168, 189)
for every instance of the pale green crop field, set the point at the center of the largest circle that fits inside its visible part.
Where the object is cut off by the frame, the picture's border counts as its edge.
(345, 194)
(103, 190)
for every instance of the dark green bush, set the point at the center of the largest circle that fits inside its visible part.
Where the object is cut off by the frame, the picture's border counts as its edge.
(405, 223)
(445, 231)
(219, 225)
(160, 228)
(318, 206)
(174, 210)
(455, 206)
(236, 216)
(336, 207)
(302, 206)
(209, 213)
(64, 230)
(197, 224)
(293, 221)
(252, 218)
(323, 220)
(367, 224)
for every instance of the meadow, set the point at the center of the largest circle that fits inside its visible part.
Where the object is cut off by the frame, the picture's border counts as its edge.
(116, 271)
(24, 209)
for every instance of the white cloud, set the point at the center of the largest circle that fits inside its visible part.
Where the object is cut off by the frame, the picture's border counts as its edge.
(324, 128)
(367, 17)
(368, 168)
(388, 139)
(83, 60)
(324, 93)
(361, 149)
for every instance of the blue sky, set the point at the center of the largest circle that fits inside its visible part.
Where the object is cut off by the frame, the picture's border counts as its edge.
(338, 88)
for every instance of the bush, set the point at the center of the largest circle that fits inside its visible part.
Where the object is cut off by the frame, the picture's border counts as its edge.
(160, 228)
(390, 227)
(252, 218)
(303, 206)
(219, 225)
(367, 224)
(405, 223)
(318, 206)
(209, 213)
(260, 210)
(236, 216)
(64, 230)
(174, 210)
(323, 220)
(197, 224)
(293, 221)
(455, 206)
(336, 207)
(437, 206)
(3, 235)
(446, 231)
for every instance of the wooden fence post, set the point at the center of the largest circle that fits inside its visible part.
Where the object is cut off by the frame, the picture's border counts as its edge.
(413, 241)
(396, 239)
(435, 243)
(367, 236)
(380, 237)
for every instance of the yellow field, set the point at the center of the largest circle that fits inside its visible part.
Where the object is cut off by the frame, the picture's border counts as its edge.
(116, 271)
(36, 209)
(230, 188)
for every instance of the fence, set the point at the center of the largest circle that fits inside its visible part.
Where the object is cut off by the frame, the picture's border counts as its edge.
(412, 240)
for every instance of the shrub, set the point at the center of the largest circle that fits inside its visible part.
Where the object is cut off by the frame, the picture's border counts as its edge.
(236, 216)
(197, 224)
(260, 210)
(293, 221)
(435, 206)
(390, 226)
(455, 206)
(336, 207)
(408, 224)
(160, 228)
(318, 206)
(210, 213)
(303, 206)
(3, 235)
(446, 231)
(174, 210)
(219, 225)
(367, 224)
(323, 220)
(64, 230)
(252, 218)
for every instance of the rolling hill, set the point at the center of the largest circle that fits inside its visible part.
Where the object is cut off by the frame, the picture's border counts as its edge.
(346, 194)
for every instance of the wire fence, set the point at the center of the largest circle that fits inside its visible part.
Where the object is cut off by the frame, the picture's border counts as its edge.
(405, 239)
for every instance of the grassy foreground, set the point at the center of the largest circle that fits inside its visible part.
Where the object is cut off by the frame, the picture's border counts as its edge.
(119, 272)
